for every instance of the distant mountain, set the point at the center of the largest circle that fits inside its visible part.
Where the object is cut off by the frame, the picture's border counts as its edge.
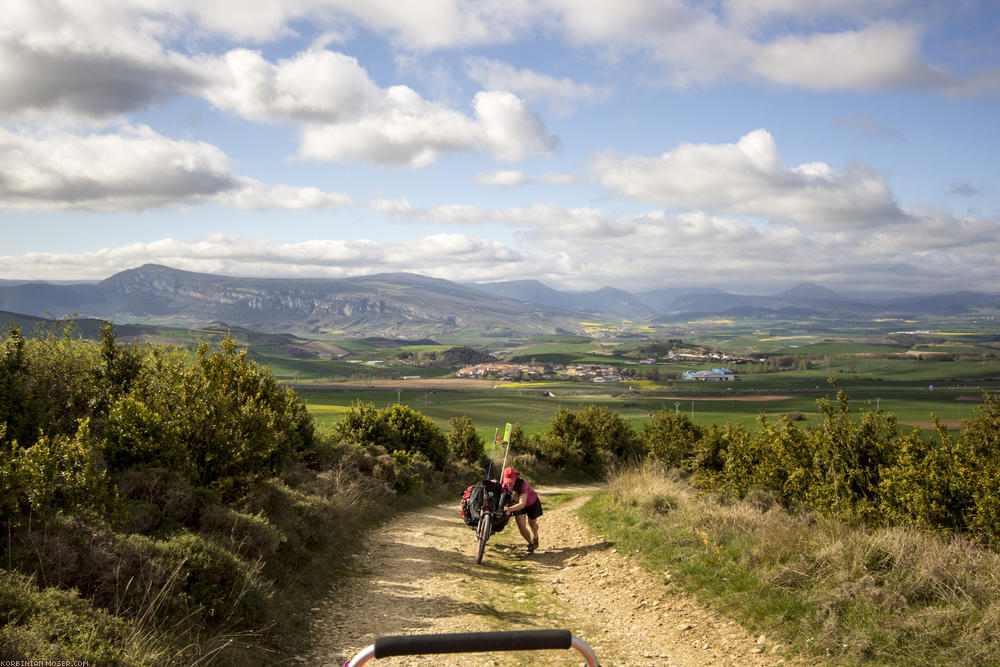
(410, 306)
(810, 302)
(608, 300)
(943, 304)
(390, 305)
(811, 291)
(662, 300)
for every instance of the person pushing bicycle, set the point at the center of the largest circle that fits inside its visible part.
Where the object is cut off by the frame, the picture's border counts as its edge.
(526, 506)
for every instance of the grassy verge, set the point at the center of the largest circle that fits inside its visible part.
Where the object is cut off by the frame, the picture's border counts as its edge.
(831, 591)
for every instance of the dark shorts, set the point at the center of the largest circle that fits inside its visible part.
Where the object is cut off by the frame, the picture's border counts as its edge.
(533, 511)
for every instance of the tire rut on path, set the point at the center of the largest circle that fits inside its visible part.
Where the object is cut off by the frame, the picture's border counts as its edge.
(417, 574)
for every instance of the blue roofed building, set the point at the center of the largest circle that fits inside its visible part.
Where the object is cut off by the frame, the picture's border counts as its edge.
(714, 375)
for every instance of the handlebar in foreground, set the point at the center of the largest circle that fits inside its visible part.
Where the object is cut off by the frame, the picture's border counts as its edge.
(473, 642)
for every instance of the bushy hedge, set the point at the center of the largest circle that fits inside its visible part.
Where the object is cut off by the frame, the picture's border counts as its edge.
(857, 467)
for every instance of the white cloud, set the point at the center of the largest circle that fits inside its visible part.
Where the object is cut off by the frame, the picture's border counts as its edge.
(502, 179)
(134, 168)
(448, 256)
(748, 178)
(585, 248)
(512, 130)
(256, 196)
(101, 59)
(756, 12)
(557, 179)
(560, 92)
(699, 45)
(345, 116)
(883, 56)
(91, 60)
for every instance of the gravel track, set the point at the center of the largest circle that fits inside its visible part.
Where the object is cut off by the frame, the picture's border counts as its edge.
(417, 574)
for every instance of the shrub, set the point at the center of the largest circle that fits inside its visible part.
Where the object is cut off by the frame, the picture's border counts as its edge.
(464, 441)
(366, 425)
(926, 485)
(671, 437)
(55, 625)
(849, 456)
(590, 441)
(417, 433)
(223, 423)
(249, 535)
(214, 585)
(978, 455)
(56, 473)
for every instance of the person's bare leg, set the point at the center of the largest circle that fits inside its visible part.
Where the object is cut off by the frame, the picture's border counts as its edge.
(534, 529)
(521, 521)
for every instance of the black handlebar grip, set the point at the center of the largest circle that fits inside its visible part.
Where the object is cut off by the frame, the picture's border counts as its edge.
(472, 642)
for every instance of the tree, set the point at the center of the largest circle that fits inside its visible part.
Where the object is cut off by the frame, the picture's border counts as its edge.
(464, 441)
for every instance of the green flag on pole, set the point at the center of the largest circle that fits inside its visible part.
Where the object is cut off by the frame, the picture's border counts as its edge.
(506, 433)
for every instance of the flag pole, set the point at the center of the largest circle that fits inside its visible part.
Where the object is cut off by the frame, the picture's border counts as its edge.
(496, 436)
(506, 437)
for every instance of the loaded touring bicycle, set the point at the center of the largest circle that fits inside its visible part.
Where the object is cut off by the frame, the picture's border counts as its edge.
(482, 509)
(484, 501)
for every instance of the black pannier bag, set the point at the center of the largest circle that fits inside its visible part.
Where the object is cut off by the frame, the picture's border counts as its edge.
(475, 501)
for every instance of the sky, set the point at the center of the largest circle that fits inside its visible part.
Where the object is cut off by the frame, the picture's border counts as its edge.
(747, 145)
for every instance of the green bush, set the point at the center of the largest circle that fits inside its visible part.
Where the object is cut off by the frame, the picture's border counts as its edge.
(397, 427)
(52, 624)
(464, 441)
(978, 466)
(417, 433)
(55, 474)
(848, 459)
(925, 486)
(223, 423)
(670, 436)
(214, 585)
(591, 440)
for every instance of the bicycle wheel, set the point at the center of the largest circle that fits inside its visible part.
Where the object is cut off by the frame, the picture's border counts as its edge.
(483, 532)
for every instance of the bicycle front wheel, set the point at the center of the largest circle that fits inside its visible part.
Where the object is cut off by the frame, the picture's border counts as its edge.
(485, 527)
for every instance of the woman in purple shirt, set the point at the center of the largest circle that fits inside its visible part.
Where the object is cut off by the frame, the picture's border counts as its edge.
(526, 507)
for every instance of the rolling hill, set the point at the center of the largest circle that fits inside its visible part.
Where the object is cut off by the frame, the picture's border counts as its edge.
(391, 305)
(405, 305)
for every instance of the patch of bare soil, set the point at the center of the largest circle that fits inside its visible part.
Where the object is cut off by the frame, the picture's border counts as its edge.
(415, 383)
(735, 397)
(418, 575)
(928, 424)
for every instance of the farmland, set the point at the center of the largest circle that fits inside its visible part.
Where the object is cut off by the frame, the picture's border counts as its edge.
(928, 369)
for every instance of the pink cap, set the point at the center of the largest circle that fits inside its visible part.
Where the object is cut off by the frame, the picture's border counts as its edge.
(509, 475)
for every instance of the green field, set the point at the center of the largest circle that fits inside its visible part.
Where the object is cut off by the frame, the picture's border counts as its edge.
(914, 370)
(491, 409)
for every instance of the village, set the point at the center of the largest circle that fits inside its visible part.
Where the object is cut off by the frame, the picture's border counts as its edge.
(536, 371)
(602, 373)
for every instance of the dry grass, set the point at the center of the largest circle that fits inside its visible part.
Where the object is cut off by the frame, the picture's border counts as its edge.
(834, 591)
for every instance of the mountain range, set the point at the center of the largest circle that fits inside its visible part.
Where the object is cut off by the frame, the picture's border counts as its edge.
(405, 304)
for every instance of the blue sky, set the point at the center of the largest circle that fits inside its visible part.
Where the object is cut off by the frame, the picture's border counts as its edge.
(745, 145)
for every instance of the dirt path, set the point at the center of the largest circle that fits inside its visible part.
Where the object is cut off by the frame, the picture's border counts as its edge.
(420, 576)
